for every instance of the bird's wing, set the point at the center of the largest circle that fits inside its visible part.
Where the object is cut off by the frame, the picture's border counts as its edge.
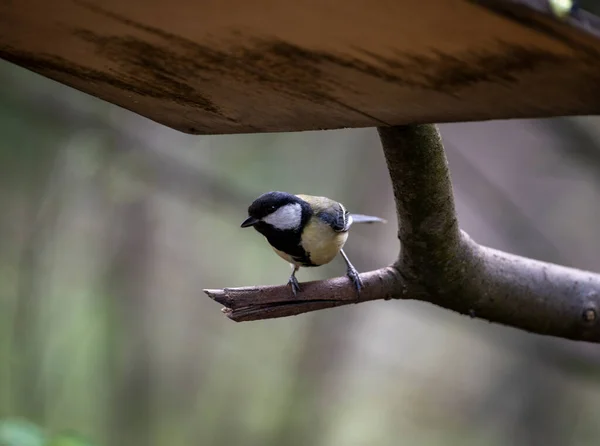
(342, 221)
(330, 211)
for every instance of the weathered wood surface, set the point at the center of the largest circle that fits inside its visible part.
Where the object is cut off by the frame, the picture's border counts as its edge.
(235, 66)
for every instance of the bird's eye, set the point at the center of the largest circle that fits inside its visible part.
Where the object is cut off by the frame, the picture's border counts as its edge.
(271, 208)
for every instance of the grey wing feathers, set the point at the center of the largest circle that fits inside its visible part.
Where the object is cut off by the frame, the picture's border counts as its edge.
(341, 222)
(360, 218)
(335, 216)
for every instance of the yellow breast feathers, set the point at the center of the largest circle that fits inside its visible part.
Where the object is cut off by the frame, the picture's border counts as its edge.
(319, 240)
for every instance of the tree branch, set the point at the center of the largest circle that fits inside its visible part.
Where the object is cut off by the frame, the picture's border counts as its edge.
(267, 302)
(439, 263)
(428, 232)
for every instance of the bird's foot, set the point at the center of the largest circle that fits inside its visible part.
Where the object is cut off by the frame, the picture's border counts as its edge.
(293, 283)
(355, 278)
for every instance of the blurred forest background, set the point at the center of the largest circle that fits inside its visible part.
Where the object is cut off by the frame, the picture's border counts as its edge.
(111, 226)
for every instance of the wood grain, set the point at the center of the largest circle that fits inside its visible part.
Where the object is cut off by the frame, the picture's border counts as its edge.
(231, 66)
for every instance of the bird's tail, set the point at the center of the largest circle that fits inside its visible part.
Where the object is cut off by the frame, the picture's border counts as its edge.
(360, 218)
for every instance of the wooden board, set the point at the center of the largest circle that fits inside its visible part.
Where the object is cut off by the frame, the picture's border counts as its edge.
(236, 66)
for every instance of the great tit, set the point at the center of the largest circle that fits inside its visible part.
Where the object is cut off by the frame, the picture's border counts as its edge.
(305, 230)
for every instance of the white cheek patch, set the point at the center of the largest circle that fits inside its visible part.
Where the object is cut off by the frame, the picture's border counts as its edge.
(286, 217)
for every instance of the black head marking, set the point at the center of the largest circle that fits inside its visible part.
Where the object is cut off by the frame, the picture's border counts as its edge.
(287, 240)
(269, 202)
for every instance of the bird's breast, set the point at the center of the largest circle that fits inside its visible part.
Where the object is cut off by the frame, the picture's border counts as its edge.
(321, 242)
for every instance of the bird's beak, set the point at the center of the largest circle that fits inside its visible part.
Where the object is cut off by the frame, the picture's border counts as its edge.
(250, 221)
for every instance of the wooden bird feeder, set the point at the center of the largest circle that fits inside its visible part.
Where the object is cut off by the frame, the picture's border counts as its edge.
(237, 66)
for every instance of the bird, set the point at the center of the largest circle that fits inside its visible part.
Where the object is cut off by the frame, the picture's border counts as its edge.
(305, 230)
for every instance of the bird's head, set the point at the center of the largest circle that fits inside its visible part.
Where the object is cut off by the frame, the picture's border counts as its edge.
(277, 210)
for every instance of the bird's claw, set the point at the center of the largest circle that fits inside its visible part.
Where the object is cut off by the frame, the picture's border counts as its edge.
(293, 283)
(355, 278)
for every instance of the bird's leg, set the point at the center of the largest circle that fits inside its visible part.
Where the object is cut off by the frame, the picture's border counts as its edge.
(352, 273)
(293, 282)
